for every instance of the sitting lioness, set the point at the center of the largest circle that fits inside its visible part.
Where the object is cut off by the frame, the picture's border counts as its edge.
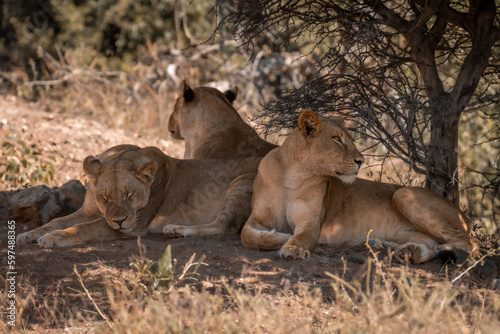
(306, 191)
(206, 119)
(134, 191)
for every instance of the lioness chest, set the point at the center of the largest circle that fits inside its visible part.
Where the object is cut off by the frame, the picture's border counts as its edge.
(286, 205)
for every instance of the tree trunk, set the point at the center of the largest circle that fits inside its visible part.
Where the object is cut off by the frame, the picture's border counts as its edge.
(442, 158)
(446, 108)
(442, 166)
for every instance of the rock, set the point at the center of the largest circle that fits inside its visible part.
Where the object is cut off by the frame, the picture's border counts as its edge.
(495, 284)
(72, 193)
(26, 203)
(41, 204)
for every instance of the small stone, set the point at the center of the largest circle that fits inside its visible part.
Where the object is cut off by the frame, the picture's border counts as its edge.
(360, 259)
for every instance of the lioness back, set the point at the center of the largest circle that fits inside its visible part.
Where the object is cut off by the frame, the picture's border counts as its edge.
(206, 119)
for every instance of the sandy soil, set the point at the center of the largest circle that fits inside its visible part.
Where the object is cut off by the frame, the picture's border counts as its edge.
(71, 138)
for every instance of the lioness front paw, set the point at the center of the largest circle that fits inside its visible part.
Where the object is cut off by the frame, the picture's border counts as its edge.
(58, 238)
(171, 232)
(292, 252)
(27, 237)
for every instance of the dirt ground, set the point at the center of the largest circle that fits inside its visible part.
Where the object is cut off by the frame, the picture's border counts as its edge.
(71, 138)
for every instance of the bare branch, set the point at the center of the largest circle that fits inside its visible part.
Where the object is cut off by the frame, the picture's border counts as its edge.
(401, 71)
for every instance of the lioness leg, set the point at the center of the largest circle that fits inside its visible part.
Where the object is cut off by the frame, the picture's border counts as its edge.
(306, 232)
(96, 230)
(301, 243)
(437, 217)
(256, 236)
(80, 216)
(232, 216)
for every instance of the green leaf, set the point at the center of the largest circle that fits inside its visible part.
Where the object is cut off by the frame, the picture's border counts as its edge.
(165, 267)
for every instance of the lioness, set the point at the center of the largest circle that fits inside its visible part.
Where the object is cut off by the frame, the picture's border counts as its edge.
(306, 192)
(205, 118)
(212, 128)
(133, 191)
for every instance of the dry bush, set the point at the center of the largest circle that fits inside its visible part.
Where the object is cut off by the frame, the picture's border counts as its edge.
(141, 97)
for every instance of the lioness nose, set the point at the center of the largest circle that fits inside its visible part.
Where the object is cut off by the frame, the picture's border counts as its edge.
(119, 221)
(359, 162)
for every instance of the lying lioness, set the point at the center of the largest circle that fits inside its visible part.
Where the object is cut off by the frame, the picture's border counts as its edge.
(306, 192)
(133, 191)
(212, 128)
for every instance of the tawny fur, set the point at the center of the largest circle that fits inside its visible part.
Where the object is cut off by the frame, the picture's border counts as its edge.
(134, 191)
(206, 119)
(306, 192)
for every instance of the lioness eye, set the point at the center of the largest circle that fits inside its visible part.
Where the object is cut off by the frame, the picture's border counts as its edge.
(337, 139)
(129, 195)
(104, 197)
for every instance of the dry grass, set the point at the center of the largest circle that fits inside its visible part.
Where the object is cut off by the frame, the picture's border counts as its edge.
(381, 300)
(141, 98)
(397, 304)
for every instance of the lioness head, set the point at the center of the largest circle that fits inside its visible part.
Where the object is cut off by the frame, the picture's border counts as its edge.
(327, 147)
(120, 189)
(191, 107)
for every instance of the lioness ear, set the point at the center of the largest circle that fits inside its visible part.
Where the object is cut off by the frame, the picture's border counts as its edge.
(91, 166)
(231, 94)
(187, 92)
(146, 172)
(309, 124)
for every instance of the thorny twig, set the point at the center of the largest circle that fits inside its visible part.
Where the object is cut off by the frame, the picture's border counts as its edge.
(80, 280)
